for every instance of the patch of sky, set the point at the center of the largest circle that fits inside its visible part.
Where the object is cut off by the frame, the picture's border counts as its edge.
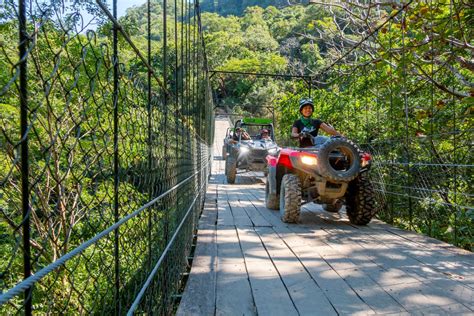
(82, 14)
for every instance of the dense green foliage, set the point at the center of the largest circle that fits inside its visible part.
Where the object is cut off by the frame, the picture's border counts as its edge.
(238, 7)
(74, 183)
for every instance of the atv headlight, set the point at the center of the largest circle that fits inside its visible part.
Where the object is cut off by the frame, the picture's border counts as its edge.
(365, 163)
(244, 150)
(365, 160)
(309, 160)
(272, 151)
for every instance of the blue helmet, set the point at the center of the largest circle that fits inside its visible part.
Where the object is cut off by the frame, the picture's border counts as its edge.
(306, 101)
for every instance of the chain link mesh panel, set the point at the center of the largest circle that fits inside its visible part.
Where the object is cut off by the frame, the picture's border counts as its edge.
(105, 154)
(404, 90)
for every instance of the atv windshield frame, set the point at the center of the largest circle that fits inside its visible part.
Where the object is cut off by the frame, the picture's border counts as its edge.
(254, 126)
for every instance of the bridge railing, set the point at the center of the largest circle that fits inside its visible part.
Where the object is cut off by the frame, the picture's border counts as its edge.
(105, 148)
(403, 89)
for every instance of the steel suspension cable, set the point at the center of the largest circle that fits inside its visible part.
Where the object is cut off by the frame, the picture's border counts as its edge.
(31, 280)
(148, 281)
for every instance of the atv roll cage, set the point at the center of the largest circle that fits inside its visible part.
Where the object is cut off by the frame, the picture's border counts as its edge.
(248, 154)
(253, 127)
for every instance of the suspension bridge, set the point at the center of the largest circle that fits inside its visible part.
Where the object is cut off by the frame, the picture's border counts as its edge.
(113, 198)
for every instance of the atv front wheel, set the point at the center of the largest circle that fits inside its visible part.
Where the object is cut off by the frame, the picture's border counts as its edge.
(360, 201)
(290, 198)
(224, 152)
(272, 200)
(230, 170)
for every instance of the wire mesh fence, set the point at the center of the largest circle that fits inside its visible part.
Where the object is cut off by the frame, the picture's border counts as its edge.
(105, 154)
(403, 89)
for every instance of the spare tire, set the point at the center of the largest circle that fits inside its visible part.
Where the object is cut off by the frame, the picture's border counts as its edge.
(337, 170)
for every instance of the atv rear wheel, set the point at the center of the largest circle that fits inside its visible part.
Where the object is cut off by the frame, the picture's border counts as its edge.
(272, 200)
(360, 201)
(331, 170)
(290, 198)
(230, 169)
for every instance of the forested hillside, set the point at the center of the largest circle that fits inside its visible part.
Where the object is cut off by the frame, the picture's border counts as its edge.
(238, 7)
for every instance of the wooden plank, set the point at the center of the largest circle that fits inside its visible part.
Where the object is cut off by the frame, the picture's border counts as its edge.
(346, 254)
(394, 255)
(410, 297)
(426, 249)
(379, 301)
(240, 215)
(271, 216)
(233, 295)
(304, 292)
(385, 276)
(451, 289)
(458, 309)
(200, 291)
(234, 192)
(270, 295)
(228, 247)
(224, 216)
(340, 294)
(256, 218)
(422, 252)
(375, 251)
(372, 294)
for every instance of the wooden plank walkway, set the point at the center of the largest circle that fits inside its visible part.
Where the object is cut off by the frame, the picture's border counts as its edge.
(248, 262)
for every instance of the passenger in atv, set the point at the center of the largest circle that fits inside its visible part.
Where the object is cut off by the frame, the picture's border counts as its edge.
(240, 133)
(264, 135)
(305, 121)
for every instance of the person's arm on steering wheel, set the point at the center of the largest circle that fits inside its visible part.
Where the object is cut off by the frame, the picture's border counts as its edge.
(294, 132)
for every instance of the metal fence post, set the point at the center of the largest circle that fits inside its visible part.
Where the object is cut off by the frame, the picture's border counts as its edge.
(116, 165)
(25, 186)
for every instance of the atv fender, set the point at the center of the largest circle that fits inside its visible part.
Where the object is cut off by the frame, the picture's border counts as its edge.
(272, 180)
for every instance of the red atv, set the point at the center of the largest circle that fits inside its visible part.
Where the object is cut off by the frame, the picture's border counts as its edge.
(331, 171)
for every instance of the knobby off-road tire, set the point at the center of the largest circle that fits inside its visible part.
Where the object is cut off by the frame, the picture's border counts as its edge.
(324, 166)
(290, 198)
(360, 201)
(230, 170)
(272, 200)
(224, 152)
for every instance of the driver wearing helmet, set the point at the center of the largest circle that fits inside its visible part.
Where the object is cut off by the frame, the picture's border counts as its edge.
(305, 121)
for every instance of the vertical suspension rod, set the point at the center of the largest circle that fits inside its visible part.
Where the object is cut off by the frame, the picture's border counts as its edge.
(116, 165)
(25, 186)
(149, 135)
(407, 120)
